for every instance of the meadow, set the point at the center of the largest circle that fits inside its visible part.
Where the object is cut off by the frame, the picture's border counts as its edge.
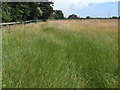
(61, 54)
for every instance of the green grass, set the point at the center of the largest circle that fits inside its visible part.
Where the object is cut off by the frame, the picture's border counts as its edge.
(52, 57)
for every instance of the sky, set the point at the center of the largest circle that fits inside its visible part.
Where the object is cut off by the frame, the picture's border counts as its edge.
(83, 8)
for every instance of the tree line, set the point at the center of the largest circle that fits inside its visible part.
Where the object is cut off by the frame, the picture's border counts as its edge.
(73, 16)
(23, 11)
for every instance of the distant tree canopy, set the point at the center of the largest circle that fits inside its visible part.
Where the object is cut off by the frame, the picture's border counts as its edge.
(57, 14)
(114, 17)
(88, 17)
(21, 11)
(73, 16)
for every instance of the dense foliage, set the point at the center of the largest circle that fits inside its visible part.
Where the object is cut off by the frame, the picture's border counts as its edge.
(57, 14)
(22, 11)
(73, 16)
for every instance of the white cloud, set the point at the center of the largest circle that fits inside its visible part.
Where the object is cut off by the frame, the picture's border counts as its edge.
(77, 6)
(86, 1)
(72, 6)
(78, 3)
(114, 5)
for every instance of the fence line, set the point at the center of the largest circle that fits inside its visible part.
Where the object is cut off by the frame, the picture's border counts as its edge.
(13, 23)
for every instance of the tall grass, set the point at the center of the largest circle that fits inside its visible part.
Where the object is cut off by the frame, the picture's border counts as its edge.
(61, 54)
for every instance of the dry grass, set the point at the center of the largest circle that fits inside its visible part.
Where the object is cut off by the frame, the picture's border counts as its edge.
(78, 25)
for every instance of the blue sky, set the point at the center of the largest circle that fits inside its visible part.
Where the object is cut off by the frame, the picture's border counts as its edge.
(83, 8)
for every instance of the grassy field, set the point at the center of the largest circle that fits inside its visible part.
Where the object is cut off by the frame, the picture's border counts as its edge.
(61, 54)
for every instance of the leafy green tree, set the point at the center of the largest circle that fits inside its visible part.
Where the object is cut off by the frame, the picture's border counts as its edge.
(22, 11)
(57, 14)
(88, 17)
(114, 17)
(47, 10)
(35, 11)
(6, 15)
(73, 16)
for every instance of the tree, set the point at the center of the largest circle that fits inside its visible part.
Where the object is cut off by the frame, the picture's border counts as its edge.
(88, 17)
(114, 17)
(46, 9)
(22, 11)
(57, 14)
(73, 16)
(6, 12)
(35, 11)
(19, 11)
